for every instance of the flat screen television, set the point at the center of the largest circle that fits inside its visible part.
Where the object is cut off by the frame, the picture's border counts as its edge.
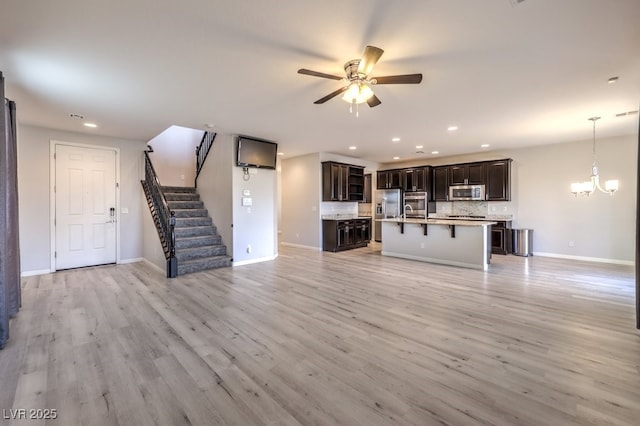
(252, 152)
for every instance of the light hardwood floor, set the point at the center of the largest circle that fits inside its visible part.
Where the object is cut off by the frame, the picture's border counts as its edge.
(312, 338)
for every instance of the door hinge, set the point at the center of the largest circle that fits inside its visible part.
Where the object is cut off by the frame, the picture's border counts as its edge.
(55, 254)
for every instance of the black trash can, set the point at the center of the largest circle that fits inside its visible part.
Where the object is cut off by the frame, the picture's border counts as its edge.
(522, 242)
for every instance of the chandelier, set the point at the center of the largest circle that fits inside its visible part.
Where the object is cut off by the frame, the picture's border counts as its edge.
(586, 188)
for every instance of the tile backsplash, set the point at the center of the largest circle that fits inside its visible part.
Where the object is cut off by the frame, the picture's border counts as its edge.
(338, 208)
(474, 208)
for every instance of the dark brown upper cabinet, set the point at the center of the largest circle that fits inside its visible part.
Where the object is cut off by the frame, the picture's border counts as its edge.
(417, 179)
(498, 180)
(441, 183)
(389, 179)
(466, 174)
(367, 189)
(342, 182)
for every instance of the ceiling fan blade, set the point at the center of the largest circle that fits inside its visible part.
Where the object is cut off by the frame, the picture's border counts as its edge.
(318, 74)
(331, 95)
(370, 57)
(399, 79)
(373, 101)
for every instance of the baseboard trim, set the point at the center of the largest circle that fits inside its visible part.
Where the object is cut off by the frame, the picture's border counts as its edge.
(32, 273)
(586, 258)
(153, 265)
(132, 260)
(302, 246)
(250, 261)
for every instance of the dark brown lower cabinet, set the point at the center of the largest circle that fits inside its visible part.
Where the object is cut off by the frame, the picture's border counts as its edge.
(500, 237)
(345, 234)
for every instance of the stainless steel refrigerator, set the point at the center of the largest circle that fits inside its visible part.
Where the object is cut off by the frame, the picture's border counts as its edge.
(387, 205)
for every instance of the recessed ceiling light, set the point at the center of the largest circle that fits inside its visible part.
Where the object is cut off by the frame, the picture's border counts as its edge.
(484, 145)
(396, 158)
(281, 153)
(612, 80)
(419, 147)
(435, 152)
(353, 148)
(92, 125)
(452, 128)
(395, 140)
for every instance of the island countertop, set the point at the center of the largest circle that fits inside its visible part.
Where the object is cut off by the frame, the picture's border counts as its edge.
(431, 221)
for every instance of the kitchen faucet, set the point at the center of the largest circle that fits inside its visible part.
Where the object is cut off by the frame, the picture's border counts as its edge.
(404, 213)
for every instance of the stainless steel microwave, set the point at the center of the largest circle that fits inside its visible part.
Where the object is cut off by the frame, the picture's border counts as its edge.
(466, 192)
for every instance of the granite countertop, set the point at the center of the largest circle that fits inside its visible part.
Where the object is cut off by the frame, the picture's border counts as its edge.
(437, 221)
(343, 217)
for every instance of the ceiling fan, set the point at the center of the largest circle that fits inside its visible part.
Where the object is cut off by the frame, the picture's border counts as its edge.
(358, 89)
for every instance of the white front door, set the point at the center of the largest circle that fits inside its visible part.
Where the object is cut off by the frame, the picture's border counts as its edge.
(85, 206)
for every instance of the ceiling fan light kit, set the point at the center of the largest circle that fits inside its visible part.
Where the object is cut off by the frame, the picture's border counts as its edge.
(358, 89)
(357, 93)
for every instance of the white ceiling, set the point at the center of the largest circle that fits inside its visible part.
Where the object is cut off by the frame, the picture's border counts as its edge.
(507, 75)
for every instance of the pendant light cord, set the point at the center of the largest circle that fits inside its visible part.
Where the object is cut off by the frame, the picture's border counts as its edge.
(594, 169)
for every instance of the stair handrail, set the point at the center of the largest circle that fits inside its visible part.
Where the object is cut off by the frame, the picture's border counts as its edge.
(166, 219)
(202, 151)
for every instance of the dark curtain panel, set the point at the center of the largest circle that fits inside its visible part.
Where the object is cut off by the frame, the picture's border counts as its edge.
(10, 297)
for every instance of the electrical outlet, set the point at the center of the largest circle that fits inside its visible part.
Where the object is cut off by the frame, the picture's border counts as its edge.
(181, 177)
(421, 245)
(297, 235)
(571, 243)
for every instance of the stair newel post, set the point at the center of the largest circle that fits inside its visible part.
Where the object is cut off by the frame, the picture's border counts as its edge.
(172, 261)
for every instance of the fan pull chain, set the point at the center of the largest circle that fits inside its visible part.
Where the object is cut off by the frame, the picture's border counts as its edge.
(351, 108)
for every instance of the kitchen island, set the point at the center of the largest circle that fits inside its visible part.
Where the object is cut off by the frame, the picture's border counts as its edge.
(465, 243)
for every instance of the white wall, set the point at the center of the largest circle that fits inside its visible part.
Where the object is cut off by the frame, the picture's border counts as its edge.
(215, 186)
(300, 200)
(34, 199)
(174, 155)
(254, 227)
(601, 227)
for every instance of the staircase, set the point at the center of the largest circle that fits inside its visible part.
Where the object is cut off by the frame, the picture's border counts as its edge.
(198, 244)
